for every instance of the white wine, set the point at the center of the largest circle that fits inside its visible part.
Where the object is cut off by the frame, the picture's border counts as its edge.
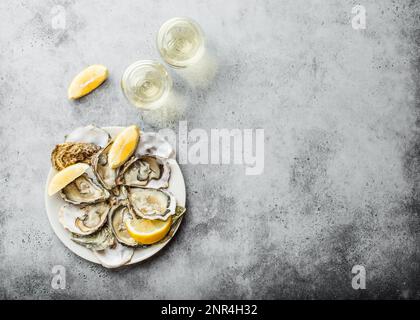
(146, 84)
(180, 42)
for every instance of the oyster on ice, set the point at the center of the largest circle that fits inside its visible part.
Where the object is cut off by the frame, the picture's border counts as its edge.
(84, 190)
(103, 171)
(83, 220)
(145, 171)
(68, 153)
(100, 240)
(151, 203)
(89, 134)
(116, 220)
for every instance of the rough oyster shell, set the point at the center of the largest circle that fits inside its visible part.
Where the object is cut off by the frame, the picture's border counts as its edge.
(151, 203)
(89, 134)
(145, 171)
(83, 220)
(115, 256)
(99, 240)
(68, 153)
(103, 171)
(84, 190)
(179, 212)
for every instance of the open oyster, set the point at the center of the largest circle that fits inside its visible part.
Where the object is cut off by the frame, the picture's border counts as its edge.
(84, 190)
(89, 134)
(116, 218)
(151, 203)
(83, 220)
(103, 171)
(68, 153)
(145, 171)
(100, 240)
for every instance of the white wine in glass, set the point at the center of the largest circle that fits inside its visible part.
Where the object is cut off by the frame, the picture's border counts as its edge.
(146, 84)
(180, 42)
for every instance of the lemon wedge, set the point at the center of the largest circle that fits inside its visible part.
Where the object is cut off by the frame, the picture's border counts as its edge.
(147, 231)
(87, 81)
(123, 147)
(65, 176)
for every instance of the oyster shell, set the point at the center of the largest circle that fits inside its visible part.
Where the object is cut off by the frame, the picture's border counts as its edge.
(68, 153)
(176, 220)
(97, 219)
(89, 134)
(103, 171)
(115, 256)
(151, 203)
(83, 220)
(179, 212)
(84, 190)
(145, 171)
(116, 218)
(154, 144)
(99, 240)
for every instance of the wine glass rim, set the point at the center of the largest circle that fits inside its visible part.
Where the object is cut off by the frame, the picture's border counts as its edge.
(179, 19)
(146, 62)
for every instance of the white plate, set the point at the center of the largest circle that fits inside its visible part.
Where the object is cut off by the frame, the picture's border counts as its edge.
(53, 204)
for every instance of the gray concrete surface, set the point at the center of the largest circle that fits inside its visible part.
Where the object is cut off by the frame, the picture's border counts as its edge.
(340, 112)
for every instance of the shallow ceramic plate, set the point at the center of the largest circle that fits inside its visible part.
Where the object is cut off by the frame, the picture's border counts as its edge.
(53, 204)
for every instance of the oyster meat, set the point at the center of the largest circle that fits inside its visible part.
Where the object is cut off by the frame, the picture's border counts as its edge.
(99, 240)
(83, 220)
(68, 153)
(151, 203)
(145, 171)
(84, 190)
(116, 220)
(89, 134)
(103, 171)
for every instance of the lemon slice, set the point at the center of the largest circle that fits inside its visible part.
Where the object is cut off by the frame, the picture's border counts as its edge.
(123, 147)
(148, 231)
(65, 176)
(87, 81)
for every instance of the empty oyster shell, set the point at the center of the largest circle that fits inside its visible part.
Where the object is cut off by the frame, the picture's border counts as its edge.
(83, 220)
(103, 171)
(115, 256)
(68, 153)
(145, 171)
(154, 144)
(89, 134)
(151, 203)
(116, 218)
(84, 190)
(100, 240)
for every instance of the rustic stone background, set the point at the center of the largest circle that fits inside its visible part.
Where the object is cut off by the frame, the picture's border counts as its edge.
(340, 112)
